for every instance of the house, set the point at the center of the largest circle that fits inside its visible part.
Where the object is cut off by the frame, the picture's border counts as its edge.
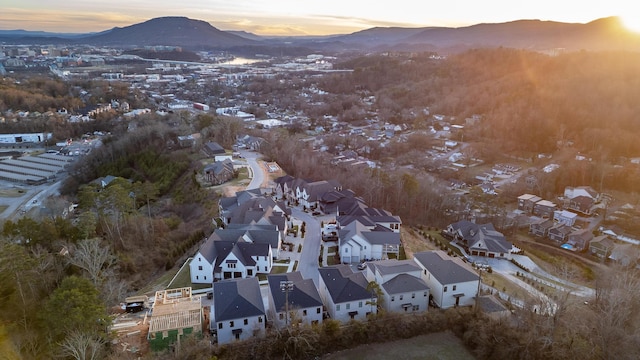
(332, 201)
(345, 294)
(230, 255)
(176, 313)
(527, 201)
(304, 303)
(219, 172)
(309, 193)
(540, 227)
(480, 240)
(544, 208)
(403, 289)
(239, 312)
(580, 199)
(451, 281)
(580, 239)
(625, 254)
(601, 246)
(565, 217)
(212, 149)
(559, 232)
(358, 241)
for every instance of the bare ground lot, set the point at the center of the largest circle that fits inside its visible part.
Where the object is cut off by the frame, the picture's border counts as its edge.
(436, 346)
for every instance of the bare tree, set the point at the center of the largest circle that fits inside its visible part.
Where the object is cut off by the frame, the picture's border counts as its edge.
(95, 259)
(82, 346)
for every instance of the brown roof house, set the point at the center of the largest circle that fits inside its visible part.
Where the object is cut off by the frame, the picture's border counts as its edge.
(219, 172)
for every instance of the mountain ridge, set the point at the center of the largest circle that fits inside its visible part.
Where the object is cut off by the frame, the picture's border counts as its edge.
(600, 34)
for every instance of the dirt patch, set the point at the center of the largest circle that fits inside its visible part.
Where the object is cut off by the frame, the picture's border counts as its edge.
(437, 346)
(12, 192)
(413, 242)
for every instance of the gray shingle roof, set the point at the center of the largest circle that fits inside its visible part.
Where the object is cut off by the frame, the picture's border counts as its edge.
(404, 283)
(343, 284)
(236, 299)
(446, 269)
(304, 293)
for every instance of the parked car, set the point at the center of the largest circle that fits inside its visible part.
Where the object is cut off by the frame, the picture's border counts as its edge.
(362, 266)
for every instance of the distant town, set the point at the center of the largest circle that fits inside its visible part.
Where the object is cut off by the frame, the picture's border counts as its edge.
(499, 235)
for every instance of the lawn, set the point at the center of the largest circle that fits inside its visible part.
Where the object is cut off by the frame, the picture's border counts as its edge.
(436, 346)
(435, 234)
(279, 269)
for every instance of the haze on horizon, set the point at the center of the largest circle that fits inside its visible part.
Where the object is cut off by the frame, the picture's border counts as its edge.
(295, 18)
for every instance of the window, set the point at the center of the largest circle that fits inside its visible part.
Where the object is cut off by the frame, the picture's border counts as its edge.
(200, 267)
(260, 319)
(360, 304)
(425, 293)
(199, 259)
(445, 289)
(454, 288)
(281, 315)
(197, 277)
(348, 306)
(231, 265)
(318, 311)
(413, 295)
(416, 307)
(401, 297)
(205, 278)
(304, 312)
(231, 323)
(246, 321)
(220, 326)
(338, 307)
(238, 336)
(393, 298)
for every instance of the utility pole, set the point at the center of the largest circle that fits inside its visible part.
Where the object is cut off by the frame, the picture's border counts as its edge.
(286, 286)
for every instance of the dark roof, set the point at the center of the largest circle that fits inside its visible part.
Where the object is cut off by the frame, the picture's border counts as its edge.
(343, 284)
(446, 269)
(486, 234)
(258, 234)
(404, 283)
(214, 148)
(238, 298)
(304, 293)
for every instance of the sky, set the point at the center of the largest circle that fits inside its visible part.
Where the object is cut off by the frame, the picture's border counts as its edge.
(301, 17)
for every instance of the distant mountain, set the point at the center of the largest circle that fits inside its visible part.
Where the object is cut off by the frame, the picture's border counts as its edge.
(172, 31)
(246, 35)
(601, 34)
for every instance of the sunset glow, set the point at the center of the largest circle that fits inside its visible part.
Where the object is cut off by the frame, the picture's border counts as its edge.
(631, 22)
(289, 17)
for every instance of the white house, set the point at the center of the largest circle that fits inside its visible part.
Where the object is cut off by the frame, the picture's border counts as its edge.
(221, 259)
(238, 310)
(358, 242)
(304, 302)
(401, 283)
(565, 217)
(345, 294)
(451, 281)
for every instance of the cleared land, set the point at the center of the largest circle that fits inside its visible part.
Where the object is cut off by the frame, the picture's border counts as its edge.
(437, 346)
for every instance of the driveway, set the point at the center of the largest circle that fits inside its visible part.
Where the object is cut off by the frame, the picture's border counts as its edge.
(257, 172)
(308, 265)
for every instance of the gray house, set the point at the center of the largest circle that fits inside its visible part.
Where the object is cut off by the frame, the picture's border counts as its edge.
(304, 303)
(238, 310)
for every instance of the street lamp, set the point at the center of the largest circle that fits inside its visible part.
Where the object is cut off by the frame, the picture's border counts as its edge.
(286, 286)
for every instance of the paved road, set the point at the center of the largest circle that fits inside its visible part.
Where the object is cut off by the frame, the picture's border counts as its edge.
(257, 171)
(308, 264)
